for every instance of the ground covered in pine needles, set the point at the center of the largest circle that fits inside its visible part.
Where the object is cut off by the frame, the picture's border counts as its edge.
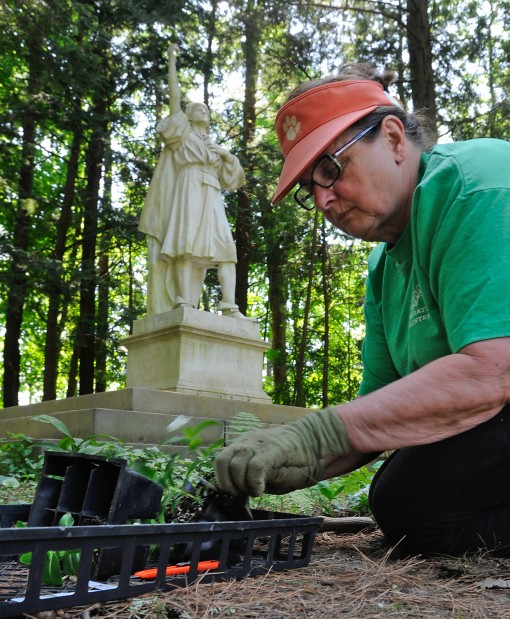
(354, 576)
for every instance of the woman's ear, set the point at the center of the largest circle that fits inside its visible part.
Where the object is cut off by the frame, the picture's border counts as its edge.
(393, 130)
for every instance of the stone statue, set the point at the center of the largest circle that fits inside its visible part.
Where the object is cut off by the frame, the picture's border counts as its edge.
(184, 216)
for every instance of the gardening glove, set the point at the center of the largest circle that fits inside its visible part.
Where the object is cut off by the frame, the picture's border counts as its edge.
(282, 459)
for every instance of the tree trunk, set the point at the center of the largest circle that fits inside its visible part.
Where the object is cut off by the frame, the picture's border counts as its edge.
(72, 377)
(326, 275)
(277, 302)
(53, 328)
(243, 230)
(209, 56)
(17, 278)
(300, 357)
(103, 281)
(102, 323)
(86, 335)
(420, 60)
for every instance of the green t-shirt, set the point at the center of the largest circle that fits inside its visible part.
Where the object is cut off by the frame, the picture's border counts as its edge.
(446, 283)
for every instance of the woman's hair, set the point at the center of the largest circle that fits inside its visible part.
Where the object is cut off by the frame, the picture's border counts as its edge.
(416, 125)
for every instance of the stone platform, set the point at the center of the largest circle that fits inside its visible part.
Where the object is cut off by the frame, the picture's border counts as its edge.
(137, 416)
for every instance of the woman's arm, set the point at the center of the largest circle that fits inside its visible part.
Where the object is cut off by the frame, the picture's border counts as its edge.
(447, 396)
(334, 467)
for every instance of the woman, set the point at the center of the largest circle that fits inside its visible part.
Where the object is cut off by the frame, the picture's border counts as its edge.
(436, 357)
(184, 215)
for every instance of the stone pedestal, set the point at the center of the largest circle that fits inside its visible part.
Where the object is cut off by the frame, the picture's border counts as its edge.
(196, 352)
(138, 416)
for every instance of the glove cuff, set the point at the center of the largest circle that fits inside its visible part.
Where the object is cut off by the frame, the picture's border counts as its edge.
(328, 430)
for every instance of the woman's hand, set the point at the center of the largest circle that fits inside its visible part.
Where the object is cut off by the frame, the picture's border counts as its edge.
(282, 459)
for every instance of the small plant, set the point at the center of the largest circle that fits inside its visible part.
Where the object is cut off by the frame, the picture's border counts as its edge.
(181, 477)
(349, 492)
(326, 498)
(241, 422)
(93, 444)
(57, 562)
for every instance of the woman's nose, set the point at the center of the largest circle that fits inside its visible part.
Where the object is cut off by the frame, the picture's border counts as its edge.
(321, 196)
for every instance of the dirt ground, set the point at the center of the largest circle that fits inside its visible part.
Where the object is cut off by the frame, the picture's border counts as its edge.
(355, 576)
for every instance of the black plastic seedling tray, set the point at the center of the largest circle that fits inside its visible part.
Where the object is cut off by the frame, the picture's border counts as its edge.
(96, 491)
(93, 489)
(270, 541)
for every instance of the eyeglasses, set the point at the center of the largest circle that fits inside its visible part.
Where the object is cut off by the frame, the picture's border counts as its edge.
(325, 172)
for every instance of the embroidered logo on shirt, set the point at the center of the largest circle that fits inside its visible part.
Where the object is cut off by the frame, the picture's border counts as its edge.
(291, 127)
(417, 295)
(418, 312)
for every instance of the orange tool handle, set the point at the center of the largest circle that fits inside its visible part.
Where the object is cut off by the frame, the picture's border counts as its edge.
(172, 570)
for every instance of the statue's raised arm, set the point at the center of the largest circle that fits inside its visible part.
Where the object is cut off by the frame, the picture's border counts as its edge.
(174, 88)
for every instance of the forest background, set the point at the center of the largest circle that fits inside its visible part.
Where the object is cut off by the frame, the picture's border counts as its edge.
(83, 84)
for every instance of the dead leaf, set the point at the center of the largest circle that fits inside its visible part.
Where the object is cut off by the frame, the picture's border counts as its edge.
(494, 583)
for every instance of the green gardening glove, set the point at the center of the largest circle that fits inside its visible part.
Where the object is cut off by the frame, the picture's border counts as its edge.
(282, 459)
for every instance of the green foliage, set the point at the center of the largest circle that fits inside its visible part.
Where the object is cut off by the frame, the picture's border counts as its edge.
(57, 562)
(181, 476)
(349, 492)
(178, 472)
(332, 497)
(181, 473)
(241, 422)
(18, 459)
(94, 444)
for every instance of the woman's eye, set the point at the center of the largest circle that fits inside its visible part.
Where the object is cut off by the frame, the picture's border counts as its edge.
(328, 170)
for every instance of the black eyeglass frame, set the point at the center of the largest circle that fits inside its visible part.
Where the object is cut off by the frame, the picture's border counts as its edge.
(308, 187)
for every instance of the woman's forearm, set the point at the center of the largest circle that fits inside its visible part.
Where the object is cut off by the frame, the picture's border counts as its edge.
(333, 467)
(448, 396)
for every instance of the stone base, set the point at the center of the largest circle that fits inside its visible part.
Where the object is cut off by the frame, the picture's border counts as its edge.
(137, 416)
(190, 351)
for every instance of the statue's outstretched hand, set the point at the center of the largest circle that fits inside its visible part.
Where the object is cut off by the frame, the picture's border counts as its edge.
(282, 459)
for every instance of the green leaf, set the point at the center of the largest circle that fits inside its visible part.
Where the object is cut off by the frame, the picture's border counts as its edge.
(194, 443)
(67, 443)
(195, 430)
(52, 574)
(71, 562)
(26, 558)
(48, 446)
(56, 423)
(144, 469)
(66, 520)
(9, 482)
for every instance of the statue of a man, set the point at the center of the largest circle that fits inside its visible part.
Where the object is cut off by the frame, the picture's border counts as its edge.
(184, 216)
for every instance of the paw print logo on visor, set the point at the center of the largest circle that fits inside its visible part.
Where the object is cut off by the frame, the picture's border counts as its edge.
(291, 127)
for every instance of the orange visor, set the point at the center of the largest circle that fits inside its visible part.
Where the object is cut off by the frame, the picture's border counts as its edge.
(308, 124)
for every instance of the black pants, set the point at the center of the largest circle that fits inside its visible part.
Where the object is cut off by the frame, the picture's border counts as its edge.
(451, 496)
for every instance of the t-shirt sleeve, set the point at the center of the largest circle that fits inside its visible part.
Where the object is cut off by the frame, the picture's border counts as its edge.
(378, 367)
(470, 267)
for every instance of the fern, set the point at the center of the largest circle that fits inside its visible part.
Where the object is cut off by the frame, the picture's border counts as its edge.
(241, 422)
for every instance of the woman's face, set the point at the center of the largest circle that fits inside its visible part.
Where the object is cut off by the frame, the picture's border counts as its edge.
(371, 200)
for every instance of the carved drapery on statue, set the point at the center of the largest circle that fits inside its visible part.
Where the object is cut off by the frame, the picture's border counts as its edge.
(184, 209)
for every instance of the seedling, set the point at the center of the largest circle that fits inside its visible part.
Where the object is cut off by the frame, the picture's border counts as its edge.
(57, 563)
